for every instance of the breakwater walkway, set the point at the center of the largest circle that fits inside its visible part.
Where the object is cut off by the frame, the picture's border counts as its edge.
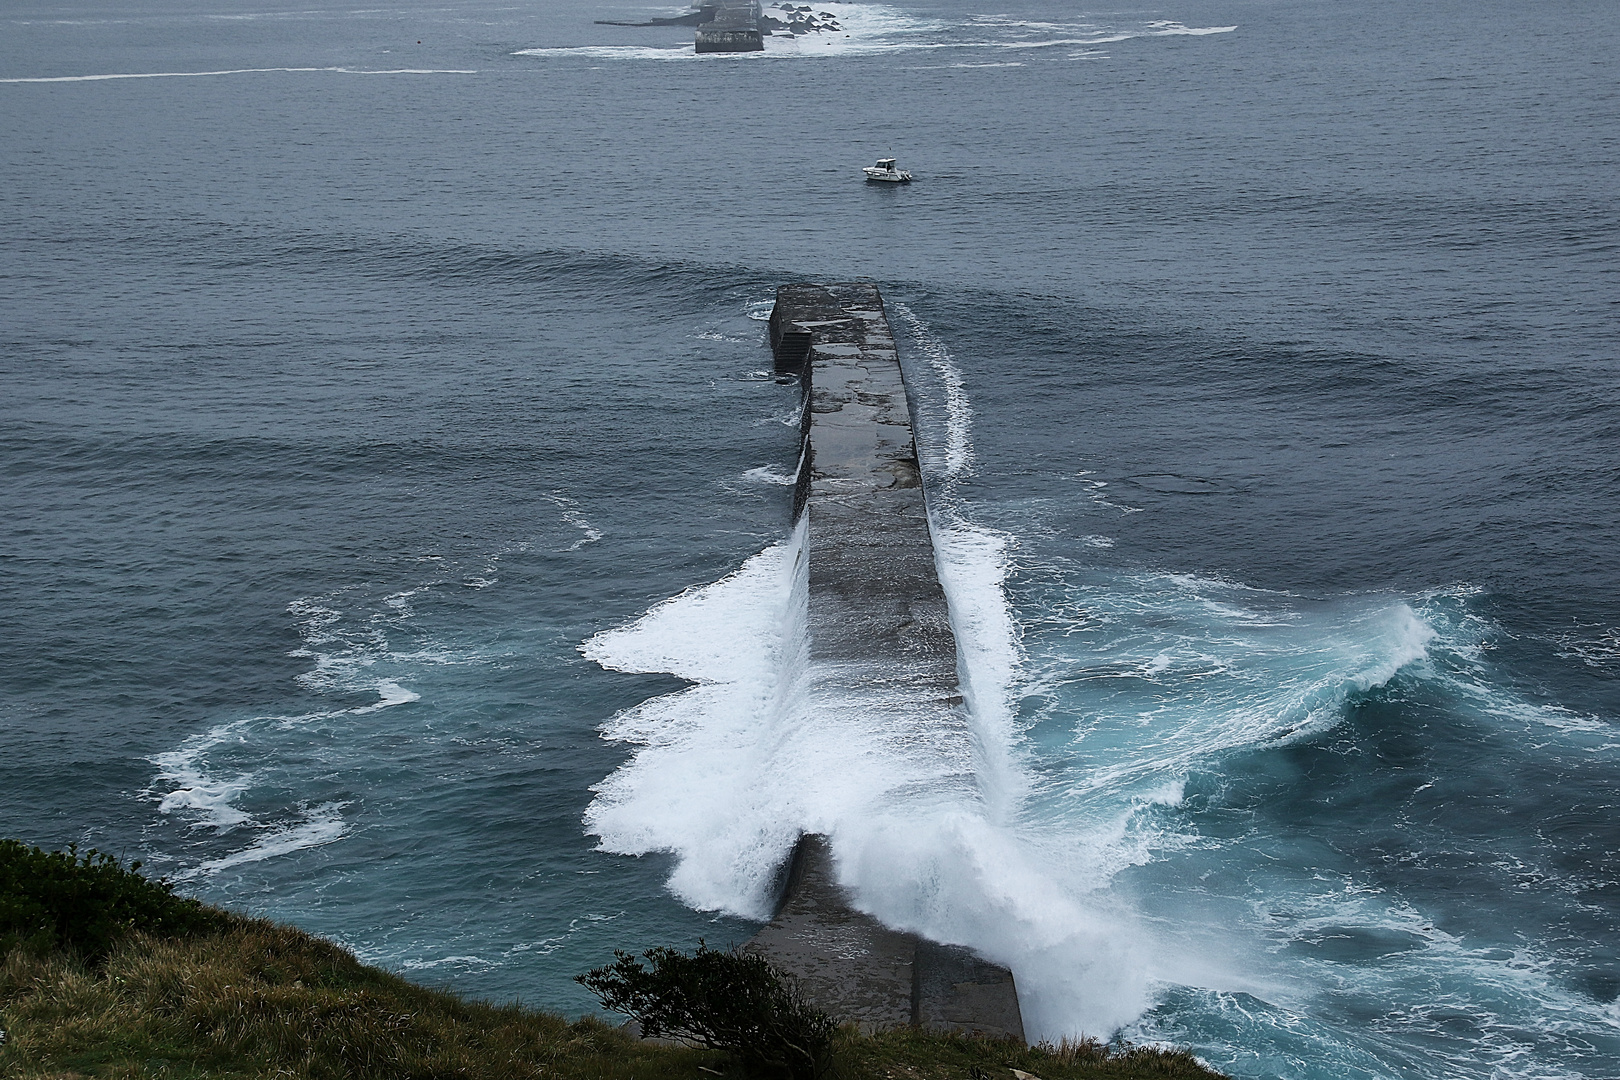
(878, 625)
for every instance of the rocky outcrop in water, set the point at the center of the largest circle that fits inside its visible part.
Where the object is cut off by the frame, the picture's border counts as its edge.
(740, 25)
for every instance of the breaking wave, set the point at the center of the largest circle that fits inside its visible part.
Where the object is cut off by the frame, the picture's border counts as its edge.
(1007, 832)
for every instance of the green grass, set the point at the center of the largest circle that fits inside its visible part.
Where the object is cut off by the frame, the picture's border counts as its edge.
(104, 974)
(262, 1000)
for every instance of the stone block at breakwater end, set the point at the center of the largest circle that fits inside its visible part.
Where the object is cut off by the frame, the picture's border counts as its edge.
(881, 643)
(860, 971)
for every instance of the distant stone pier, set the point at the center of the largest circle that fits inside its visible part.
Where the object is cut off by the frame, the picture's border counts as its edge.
(734, 28)
(740, 25)
(878, 622)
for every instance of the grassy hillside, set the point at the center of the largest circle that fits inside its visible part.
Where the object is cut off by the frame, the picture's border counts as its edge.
(135, 982)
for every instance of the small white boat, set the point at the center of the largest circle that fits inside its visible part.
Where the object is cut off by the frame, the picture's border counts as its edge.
(885, 172)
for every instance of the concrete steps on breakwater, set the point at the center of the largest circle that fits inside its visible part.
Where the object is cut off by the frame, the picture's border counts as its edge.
(880, 632)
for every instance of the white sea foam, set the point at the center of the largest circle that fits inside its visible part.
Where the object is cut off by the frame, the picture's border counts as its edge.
(767, 474)
(864, 28)
(727, 774)
(791, 418)
(234, 779)
(208, 798)
(1172, 29)
(448, 961)
(712, 776)
(1417, 972)
(191, 783)
(1601, 651)
(613, 52)
(972, 566)
(957, 459)
(879, 29)
(1097, 492)
(572, 515)
(923, 810)
(389, 694)
(1200, 675)
(549, 945)
(1027, 24)
(486, 575)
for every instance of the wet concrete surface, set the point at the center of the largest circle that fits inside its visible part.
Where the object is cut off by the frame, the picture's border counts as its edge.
(880, 640)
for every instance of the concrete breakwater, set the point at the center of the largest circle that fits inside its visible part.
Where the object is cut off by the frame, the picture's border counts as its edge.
(724, 26)
(880, 629)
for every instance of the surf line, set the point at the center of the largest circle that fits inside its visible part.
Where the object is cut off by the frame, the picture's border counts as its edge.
(878, 624)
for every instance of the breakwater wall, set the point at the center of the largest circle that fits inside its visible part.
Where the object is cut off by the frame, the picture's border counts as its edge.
(734, 28)
(879, 629)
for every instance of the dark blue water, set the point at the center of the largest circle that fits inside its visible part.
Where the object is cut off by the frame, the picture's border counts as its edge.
(1265, 356)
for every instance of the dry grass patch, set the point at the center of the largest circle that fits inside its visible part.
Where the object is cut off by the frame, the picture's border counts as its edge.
(262, 1000)
(269, 1002)
(915, 1055)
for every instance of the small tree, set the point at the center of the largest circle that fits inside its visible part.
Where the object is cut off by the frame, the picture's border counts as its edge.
(733, 1001)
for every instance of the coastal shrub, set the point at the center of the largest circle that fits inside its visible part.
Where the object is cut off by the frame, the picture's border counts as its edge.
(62, 900)
(733, 1001)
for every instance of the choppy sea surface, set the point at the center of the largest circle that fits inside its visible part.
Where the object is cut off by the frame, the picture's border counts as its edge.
(394, 494)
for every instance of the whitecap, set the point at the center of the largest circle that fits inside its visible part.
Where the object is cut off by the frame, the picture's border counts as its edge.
(191, 788)
(768, 474)
(322, 825)
(572, 515)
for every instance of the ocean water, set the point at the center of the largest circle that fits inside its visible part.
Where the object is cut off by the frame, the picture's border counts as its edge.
(394, 495)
